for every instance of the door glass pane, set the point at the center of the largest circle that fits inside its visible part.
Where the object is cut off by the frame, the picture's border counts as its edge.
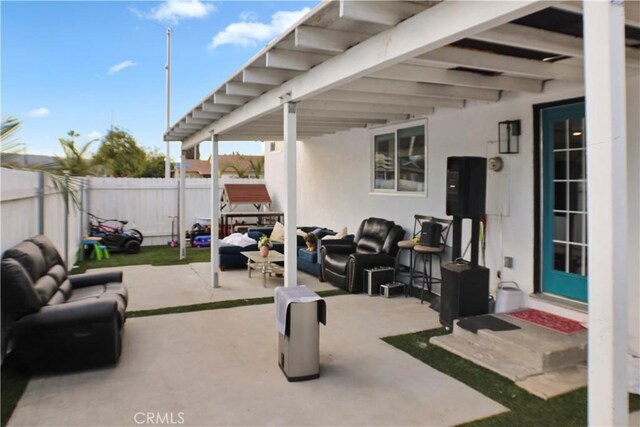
(384, 158)
(576, 234)
(560, 135)
(559, 256)
(576, 133)
(560, 226)
(560, 196)
(411, 159)
(575, 259)
(576, 164)
(560, 161)
(577, 196)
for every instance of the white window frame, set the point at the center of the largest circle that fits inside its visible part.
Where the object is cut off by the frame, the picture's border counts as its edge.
(372, 164)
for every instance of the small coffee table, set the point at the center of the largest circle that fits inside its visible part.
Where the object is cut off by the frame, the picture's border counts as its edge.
(265, 265)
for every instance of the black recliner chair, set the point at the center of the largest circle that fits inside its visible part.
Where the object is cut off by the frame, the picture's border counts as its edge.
(375, 245)
(54, 322)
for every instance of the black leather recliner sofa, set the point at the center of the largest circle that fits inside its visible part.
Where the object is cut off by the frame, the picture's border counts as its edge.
(375, 245)
(52, 321)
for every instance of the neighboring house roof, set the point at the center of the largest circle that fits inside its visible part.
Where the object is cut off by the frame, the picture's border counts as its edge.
(199, 167)
(246, 193)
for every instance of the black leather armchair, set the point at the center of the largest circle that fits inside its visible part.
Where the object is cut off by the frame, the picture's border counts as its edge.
(55, 322)
(374, 245)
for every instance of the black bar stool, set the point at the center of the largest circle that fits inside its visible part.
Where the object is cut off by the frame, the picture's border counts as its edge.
(428, 251)
(409, 245)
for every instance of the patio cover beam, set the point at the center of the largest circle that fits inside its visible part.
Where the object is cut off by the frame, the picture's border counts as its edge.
(294, 60)
(386, 99)
(224, 99)
(364, 107)
(199, 114)
(246, 89)
(210, 107)
(385, 13)
(435, 27)
(195, 121)
(427, 74)
(542, 40)
(325, 39)
(607, 206)
(457, 56)
(397, 87)
(365, 115)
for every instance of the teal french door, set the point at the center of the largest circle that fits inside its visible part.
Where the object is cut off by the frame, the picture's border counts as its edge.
(564, 202)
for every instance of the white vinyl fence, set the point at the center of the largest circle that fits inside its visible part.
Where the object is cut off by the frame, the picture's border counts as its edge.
(29, 206)
(147, 203)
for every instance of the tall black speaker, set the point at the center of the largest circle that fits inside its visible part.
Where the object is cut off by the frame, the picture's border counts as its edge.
(464, 292)
(466, 186)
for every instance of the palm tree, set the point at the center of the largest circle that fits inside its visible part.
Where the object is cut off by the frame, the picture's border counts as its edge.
(257, 167)
(66, 172)
(10, 148)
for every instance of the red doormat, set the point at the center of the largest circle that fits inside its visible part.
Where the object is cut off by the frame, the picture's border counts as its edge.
(548, 320)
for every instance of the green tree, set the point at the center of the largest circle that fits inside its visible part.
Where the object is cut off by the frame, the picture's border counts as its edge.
(121, 155)
(154, 165)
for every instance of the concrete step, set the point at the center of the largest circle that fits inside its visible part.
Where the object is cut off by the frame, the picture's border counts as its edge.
(538, 348)
(485, 356)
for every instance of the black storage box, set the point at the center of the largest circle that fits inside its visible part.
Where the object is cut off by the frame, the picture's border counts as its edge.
(374, 277)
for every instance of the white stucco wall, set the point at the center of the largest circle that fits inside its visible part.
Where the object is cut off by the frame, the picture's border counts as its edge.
(334, 179)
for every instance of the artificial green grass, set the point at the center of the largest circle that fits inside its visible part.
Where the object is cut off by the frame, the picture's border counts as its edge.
(154, 255)
(525, 409)
(218, 305)
(14, 382)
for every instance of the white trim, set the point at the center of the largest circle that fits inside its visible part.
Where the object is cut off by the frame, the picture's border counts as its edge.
(384, 130)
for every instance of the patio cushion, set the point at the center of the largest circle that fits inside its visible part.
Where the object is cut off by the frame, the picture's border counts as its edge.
(309, 256)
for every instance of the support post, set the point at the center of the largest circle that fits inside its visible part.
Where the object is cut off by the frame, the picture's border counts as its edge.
(66, 218)
(290, 217)
(181, 212)
(215, 212)
(40, 196)
(81, 218)
(604, 65)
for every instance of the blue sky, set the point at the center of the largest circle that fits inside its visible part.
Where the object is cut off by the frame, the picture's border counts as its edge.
(86, 65)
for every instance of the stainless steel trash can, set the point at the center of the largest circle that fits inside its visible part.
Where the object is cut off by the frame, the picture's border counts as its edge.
(299, 312)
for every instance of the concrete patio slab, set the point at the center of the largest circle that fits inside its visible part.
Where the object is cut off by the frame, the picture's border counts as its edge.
(172, 285)
(219, 367)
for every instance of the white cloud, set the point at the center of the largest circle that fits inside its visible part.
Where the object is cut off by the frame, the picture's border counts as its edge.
(172, 11)
(39, 112)
(93, 135)
(247, 33)
(121, 66)
(248, 15)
